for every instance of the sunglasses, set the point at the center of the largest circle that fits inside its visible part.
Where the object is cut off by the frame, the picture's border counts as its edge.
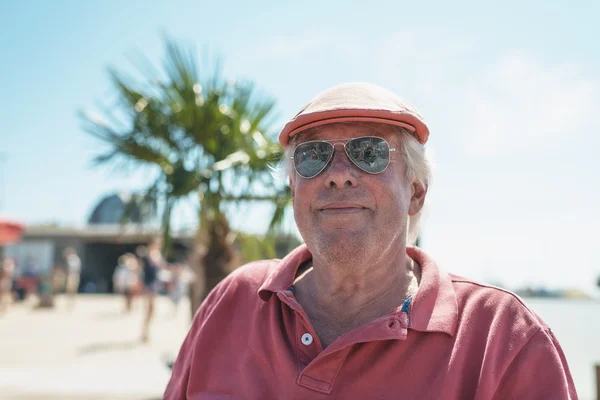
(370, 154)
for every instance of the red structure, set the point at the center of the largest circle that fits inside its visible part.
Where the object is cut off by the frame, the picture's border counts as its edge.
(10, 232)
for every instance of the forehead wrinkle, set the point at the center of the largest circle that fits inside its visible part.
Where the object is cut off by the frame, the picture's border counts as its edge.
(366, 129)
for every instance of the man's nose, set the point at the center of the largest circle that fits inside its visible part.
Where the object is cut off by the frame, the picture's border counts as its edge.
(341, 173)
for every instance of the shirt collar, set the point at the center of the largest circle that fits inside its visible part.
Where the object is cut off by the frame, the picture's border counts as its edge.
(434, 308)
(283, 276)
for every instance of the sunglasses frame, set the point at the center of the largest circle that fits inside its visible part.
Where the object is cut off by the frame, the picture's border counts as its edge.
(343, 141)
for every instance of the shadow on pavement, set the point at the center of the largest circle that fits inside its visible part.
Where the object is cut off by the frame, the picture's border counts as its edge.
(109, 346)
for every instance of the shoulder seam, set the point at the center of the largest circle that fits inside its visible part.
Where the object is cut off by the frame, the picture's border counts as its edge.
(513, 295)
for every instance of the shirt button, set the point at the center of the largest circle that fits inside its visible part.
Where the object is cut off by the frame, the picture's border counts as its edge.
(307, 339)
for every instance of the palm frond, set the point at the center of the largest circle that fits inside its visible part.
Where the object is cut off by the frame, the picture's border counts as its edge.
(204, 133)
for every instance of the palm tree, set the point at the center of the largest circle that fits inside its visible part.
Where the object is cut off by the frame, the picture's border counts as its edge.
(206, 137)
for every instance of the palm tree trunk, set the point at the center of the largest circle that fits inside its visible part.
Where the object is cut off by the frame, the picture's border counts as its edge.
(217, 259)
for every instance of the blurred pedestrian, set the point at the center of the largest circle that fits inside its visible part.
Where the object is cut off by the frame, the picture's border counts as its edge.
(59, 279)
(7, 274)
(126, 278)
(45, 290)
(29, 277)
(118, 277)
(73, 267)
(152, 262)
(178, 285)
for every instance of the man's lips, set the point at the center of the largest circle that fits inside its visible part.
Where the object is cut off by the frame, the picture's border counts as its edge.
(342, 208)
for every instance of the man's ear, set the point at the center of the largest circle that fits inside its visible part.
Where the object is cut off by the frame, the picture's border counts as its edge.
(417, 199)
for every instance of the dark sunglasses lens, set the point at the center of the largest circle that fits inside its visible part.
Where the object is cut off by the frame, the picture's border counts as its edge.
(371, 154)
(312, 157)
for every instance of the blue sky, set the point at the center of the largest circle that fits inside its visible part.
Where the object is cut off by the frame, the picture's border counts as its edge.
(510, 92)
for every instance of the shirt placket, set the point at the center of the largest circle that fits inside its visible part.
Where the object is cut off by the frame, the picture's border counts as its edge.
(307, 343)
(318, 369)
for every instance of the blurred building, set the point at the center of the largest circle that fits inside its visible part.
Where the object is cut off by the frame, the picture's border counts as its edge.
(99, 243)
(123, 207)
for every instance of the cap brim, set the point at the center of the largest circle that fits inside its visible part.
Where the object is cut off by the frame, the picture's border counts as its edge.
(307, 121)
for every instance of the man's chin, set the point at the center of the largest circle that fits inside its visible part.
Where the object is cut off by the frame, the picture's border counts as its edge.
(340, 245)
(340, 235)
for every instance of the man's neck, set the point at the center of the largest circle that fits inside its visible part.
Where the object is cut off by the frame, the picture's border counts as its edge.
(343, 297)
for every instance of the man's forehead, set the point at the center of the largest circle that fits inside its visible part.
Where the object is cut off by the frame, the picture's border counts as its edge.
(347, 129)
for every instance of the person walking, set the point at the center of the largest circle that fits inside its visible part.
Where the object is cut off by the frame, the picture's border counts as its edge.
(152, 262)
(126, 279)
(7, 273)
(73, 267)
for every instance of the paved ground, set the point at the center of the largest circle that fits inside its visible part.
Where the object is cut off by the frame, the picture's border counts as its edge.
(91, 352)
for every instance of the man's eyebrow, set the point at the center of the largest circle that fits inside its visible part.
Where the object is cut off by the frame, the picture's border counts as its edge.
(307, 135)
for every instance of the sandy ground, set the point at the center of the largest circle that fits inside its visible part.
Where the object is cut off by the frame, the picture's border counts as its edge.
(90, 352)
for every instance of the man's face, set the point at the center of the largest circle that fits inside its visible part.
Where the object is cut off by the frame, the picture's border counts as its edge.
(347, 215)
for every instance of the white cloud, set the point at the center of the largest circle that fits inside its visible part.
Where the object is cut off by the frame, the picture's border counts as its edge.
(294, 45)
(540, 101)
(421, 61)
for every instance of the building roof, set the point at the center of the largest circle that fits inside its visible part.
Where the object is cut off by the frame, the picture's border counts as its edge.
(108, 233)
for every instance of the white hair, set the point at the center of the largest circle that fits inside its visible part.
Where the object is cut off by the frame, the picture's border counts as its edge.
(416, 158)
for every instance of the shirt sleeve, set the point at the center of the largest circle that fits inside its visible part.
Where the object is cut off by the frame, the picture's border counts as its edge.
(538, 372)
(177, 387)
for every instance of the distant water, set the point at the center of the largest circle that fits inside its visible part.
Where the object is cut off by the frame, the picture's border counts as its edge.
(576, 324)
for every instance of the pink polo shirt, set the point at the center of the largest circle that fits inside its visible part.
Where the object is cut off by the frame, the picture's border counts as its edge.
(459, 340)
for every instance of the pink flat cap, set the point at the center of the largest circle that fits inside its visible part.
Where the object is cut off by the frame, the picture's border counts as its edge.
(356, 102)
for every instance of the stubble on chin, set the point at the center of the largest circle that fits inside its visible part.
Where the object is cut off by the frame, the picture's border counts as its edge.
(342, 248)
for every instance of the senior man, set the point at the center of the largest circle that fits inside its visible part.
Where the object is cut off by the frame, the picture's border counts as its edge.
(357, 312)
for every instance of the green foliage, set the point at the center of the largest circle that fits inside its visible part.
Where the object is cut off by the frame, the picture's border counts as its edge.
(256, 247)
